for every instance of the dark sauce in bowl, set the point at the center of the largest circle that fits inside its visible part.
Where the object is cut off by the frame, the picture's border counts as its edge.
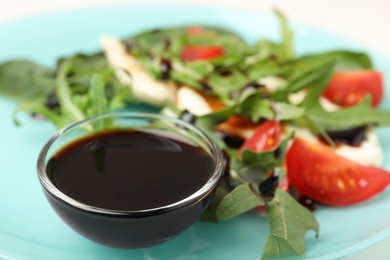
(130, 170)
(141, 180)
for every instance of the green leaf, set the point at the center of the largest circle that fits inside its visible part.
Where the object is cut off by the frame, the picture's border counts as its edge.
(344, 60)
(256, 107)
(359, 115)
(315, 79)
(64, 93)
(242, 199)
(37, 107)
(287, 35)
(22, 80)
(286, 111)
(318, 85)
(289, 223)
(210, 214)
(97, 96)
(267, 160)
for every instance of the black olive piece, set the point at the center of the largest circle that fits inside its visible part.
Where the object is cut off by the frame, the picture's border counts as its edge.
(353, 136)
(226, 163)
(308, 203)
(231, 141)
(188, 117)
(253, 85)
(268, 186)
(277, 152)
(206, 87)
(52, 101)
(165, 69)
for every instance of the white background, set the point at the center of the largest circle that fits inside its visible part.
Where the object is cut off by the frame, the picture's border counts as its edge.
(365, 21)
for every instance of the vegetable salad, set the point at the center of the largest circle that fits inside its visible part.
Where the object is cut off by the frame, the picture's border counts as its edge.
(281, 120)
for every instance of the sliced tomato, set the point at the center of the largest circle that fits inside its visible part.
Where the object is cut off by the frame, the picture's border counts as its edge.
(317, 172)
(266, 137)
(197, 52)
(348, 88)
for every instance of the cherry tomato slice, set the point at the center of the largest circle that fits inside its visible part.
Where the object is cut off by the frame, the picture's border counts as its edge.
(266, 137)
(348, 88)
(317, 172)
(196, 53)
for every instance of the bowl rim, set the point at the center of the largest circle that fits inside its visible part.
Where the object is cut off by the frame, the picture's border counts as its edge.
(197, 196)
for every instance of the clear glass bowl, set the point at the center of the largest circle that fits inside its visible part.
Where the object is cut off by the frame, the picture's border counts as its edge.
(134, 228)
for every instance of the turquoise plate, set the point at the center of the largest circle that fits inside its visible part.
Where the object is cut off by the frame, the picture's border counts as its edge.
(29, 228)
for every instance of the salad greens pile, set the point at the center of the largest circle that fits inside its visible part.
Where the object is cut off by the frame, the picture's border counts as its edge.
(80, 86)
(85, 85)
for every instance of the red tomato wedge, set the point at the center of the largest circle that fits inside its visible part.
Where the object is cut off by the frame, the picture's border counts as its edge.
(348, 88)
(196, 53)
(317, 172)
(266, 137)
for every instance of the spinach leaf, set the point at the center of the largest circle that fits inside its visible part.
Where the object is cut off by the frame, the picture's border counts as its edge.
(289, 223)
(242, 199)
(23, 80)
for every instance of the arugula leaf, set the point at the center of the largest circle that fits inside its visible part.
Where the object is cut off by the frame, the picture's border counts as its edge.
(359, 115)
(267, 160)
(287, 35)
(289, 223)
(242, 199)
(23, 80)
(344, 60)
(256, 108)
(64, 93)
(41, 109)
(315, 79)
(97, 96)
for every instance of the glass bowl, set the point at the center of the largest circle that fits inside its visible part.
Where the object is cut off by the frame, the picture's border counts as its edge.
(130, 228)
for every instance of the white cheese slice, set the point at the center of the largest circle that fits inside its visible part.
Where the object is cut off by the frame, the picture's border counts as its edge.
(189, 99)
(272, 83)
(130, 72)
(369, 153)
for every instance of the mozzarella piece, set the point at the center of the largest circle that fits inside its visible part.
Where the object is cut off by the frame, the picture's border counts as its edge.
(272, 83)
(298, 97)
(189, 99)
(369, 152)
(130, 72)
